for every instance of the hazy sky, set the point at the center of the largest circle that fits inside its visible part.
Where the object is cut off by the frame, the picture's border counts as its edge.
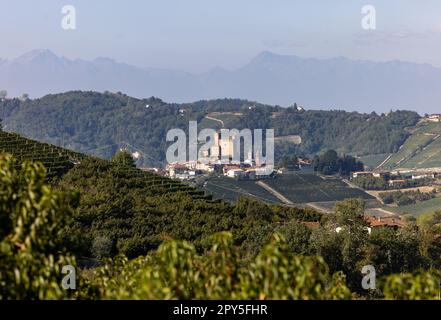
(195, 35)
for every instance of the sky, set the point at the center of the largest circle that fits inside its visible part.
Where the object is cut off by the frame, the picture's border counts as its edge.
(197, 35)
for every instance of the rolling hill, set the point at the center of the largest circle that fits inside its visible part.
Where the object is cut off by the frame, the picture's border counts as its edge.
(121, 209)
(101, 123)
(421, 150)
(59, 162)
(56, 160)
(295, 189)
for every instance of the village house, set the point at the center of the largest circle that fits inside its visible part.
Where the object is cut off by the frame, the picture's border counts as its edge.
(361, 174)
(434, 118)
(229, 167)
(177, 170)
(235, 173)
(382, 174)
(423, 175)
(394, 222)
(396, 182)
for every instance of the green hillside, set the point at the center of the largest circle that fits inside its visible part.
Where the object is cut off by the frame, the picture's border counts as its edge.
(101, 123)
(372, 161)
(57, 161)
(424, 207)
(231, 190)
(299, 188)
(421, 150)
(307, 187)
(98, 209)
(126, 210)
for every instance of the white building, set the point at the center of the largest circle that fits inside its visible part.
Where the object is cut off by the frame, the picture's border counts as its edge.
(235, 173)
(434, 118)
(418, 176)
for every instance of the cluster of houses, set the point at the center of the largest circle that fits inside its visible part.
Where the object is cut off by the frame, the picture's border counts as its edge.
(242, 171)
(393, 222)
(219, 159)
(433, 118)
(396, 178)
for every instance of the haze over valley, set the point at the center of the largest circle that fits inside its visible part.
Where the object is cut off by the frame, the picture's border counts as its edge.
(338, 83)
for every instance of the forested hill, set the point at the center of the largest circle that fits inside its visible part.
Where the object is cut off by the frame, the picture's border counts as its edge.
(101, 123)
(122, 209)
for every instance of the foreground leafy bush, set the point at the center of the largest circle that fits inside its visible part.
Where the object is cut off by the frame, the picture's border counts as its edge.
(176, 271)
(31, 218)
(419, 286)
(32, 254)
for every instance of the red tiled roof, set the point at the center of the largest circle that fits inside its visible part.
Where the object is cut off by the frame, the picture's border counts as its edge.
(385, 221)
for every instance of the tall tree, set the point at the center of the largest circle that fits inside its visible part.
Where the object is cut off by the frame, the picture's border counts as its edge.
(124, 158)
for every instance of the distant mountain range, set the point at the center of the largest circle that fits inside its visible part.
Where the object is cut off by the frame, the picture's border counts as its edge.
(337, 83)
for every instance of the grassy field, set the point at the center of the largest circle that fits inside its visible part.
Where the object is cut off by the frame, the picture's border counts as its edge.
(420, 208)
(430, 157)
(307, 187)
(421, 150)
(373, 161)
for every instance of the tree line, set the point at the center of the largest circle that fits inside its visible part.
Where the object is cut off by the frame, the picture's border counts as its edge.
(100, 123)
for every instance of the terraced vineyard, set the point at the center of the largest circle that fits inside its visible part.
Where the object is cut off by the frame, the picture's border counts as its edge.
(421, 150)
(299, 188)
(307, 187)
(56, 160)
(229, 189)
(59, 161)
(158, 185)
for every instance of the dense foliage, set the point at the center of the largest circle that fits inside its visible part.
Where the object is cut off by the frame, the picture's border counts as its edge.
(176, 271)
(100, 124)
(330, 163)
(406, 198)
(124, 159)
(381, 183)
(297, 262)
(125, 210)
(32, 216)
(57, 161)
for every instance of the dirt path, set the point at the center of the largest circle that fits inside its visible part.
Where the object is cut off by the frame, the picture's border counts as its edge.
(318, 208)
(384, 162)
(275, 193)
(388, 213)
(214, 119)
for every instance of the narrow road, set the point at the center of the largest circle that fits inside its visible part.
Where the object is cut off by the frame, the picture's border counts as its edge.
(214, 119)
(275, 193)
(384, 162)
(318, 208)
